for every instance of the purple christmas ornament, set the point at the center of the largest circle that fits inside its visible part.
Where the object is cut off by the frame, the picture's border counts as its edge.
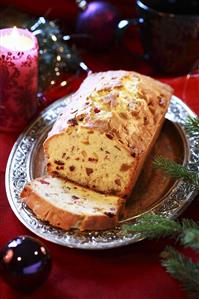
(24, 263)
(98, 20)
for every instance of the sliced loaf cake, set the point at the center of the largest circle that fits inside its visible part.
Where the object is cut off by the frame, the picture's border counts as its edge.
(67, 205)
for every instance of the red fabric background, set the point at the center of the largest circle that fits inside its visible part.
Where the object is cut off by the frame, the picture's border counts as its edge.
(132, 272)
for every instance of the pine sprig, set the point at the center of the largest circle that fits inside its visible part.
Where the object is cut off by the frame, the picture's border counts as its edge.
(192, 125)
(176, 170)
(190, 234)
(182, 269)
(153, 226)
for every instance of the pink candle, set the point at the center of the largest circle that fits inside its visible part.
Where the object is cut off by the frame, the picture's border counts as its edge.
(18, 78)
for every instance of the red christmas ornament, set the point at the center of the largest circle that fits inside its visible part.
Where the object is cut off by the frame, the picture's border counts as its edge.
(99, 21)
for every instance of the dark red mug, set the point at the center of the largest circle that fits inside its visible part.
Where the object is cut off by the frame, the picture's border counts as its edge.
(169, 33)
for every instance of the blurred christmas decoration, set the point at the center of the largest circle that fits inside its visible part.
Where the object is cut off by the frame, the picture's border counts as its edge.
(58, 60)
(25, 263)
(98, 19)
(55, 56)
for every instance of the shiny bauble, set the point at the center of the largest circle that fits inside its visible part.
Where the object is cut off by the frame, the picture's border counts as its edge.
(99, 21)
(25, 263)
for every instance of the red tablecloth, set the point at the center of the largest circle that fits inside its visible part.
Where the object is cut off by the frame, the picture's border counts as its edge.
(132, 272)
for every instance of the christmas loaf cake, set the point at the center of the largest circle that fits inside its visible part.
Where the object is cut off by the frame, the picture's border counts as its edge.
(103, 136)
(66, 205)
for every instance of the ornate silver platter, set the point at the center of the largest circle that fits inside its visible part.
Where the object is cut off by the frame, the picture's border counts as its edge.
(26, 161)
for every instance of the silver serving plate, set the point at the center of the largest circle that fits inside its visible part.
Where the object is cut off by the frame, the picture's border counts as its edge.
(26, 162)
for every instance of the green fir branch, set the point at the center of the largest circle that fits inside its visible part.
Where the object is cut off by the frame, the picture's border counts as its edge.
(192, 125)
(190, 238)
(176, 170)
(182, 269)
(153, 226)
(190, 234)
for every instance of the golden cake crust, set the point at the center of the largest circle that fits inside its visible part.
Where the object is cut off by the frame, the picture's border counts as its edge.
(83, 111)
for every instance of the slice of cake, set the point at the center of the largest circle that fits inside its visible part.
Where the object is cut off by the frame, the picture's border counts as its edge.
(103, 136)
(67, 205)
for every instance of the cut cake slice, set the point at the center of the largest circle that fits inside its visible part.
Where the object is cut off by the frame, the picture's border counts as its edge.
(67, 205)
